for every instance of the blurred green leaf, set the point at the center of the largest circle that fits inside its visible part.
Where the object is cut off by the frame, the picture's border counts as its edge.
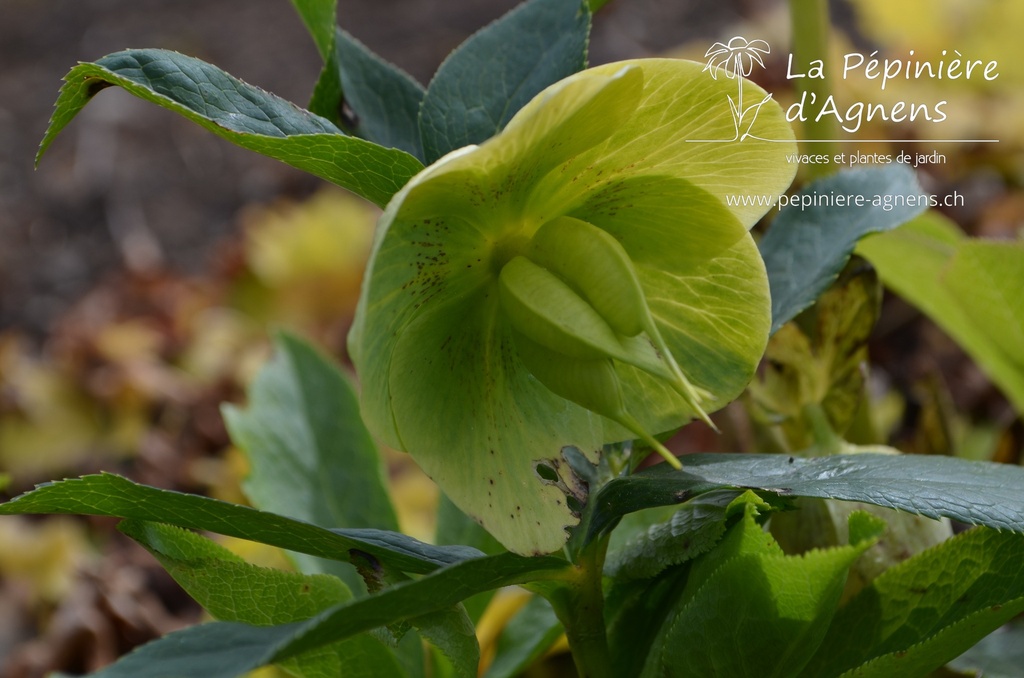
(111, 495)
(971, 289)
(817, 359)
(494, 73)
(240, 113)
(920, 614)
(977, 493)
(806, 248)
(233, 590)
(311, 457)
(998, 655)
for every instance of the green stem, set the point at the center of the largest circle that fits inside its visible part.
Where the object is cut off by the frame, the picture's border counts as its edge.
(825, 437)
(579, 605)
(811, 30)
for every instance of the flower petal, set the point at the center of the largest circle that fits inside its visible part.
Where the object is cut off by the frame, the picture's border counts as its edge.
(479, 424)
(681, 128)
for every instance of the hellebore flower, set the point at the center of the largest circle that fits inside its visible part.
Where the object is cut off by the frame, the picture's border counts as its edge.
(576, 280)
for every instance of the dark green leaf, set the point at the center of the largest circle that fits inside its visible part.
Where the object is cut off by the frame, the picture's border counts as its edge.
(526, 637)
(240, 113)
(225, 649)
(369, 97)
(311, 457)
(977, 493)
(805, 249)
(215, 650)
(690, 531)
(634, 612)
(920, 614)
(482, 84)
(111, 495)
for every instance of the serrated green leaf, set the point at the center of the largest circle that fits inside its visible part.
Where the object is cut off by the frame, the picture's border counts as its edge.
(805, 249)
(525, 638)
(111, 495)
(749, 610)
(822, 523)
(233, 590)
(488, 78)
(228, 649)
(228, 587)
(242, 114)
(689, 532)
(999, 655)
(973, 296)
(977, 493)
(920, 614)
(311, 457)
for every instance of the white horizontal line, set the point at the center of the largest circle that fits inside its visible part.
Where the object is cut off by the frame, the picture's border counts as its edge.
(892, 141)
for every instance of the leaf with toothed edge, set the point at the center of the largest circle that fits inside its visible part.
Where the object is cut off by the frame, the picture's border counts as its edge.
(227, 649)
(111, 495)
(976, 493)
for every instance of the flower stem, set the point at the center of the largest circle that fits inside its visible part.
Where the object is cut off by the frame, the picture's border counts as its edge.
(811, 29)
(579, 605)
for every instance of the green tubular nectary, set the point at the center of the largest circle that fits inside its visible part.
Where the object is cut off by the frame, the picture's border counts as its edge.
(583, 301)
(577, 280)
(594, 263)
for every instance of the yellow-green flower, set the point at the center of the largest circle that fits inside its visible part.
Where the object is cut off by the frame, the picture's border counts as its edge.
(578, 279)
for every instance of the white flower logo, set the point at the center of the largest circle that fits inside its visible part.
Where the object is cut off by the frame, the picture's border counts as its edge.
(736, 60)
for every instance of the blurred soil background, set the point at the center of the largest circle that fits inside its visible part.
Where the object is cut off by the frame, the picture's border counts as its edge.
(145, 263)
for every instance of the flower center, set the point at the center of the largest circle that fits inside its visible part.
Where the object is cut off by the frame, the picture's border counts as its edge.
(573, 297)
